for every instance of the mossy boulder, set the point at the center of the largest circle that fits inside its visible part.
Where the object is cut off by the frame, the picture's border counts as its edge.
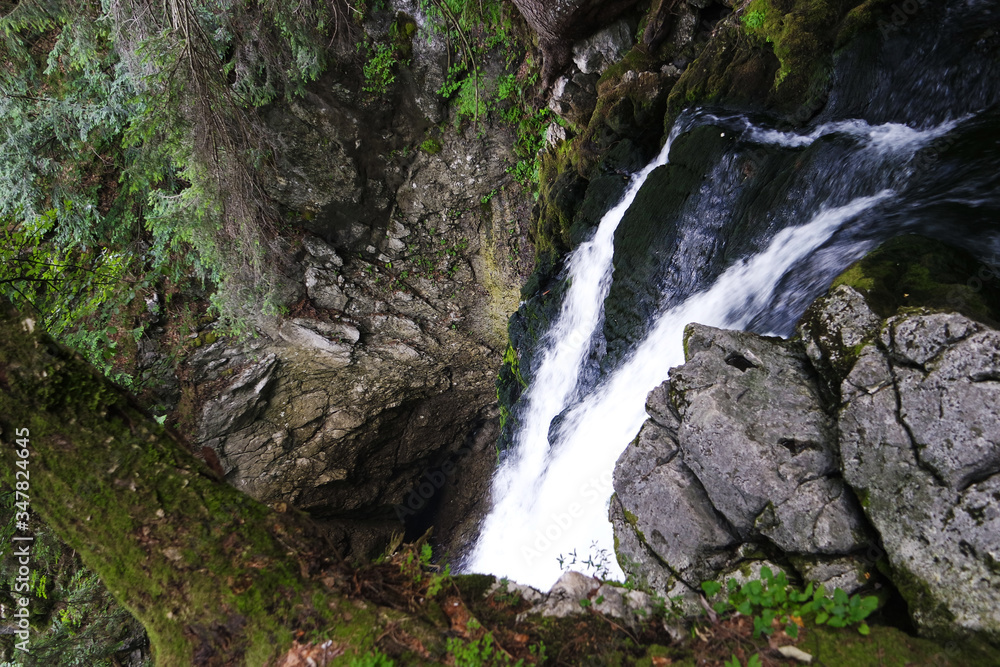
(913, 271)
(904, 274)
(775, 55)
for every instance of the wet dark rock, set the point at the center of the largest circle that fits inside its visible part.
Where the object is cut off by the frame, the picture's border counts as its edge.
(913, 270)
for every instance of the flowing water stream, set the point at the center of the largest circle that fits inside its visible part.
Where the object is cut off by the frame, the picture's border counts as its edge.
(778, 215)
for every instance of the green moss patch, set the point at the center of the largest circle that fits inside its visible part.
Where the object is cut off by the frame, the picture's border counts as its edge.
(888, 647)
(912, 271)
(772, 53)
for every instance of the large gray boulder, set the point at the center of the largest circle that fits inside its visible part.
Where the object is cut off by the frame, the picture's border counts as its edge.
(740, 447)
(762, 448)
(663, 549)
(920, 440)
(754, 431)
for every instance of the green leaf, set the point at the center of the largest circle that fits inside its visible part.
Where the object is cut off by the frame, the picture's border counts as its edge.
(759, 626)
(822, 617)
(864, 629)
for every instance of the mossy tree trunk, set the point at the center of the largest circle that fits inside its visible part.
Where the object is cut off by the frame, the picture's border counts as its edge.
(215, 577)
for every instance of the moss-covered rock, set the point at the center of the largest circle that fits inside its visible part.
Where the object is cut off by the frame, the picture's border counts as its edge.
(913, 271)
(835, 329)
(889, 647)
(772, 54)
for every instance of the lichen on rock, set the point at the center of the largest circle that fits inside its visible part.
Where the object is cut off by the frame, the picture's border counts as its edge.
(862, 443)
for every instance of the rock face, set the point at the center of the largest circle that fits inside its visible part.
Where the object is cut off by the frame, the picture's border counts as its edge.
(738, 444)
(920, 439)
(604, 48)
(411, 250)
(763, 448)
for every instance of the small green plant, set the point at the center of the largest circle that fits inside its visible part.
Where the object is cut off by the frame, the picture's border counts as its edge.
(754, 661)
(754, 20)
(772, 598)
(376, 659)
(481, 652)
(379, 69)
(431, 146)
(538, 651)
(422, 572)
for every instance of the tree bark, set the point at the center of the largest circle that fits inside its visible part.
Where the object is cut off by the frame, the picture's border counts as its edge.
(559, 23)
(214, 576)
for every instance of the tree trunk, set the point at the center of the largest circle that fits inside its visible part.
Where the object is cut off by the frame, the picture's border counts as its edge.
(215, 577)
(559, 23)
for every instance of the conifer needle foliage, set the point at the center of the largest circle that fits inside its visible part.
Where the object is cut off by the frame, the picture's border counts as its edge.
(129, 144)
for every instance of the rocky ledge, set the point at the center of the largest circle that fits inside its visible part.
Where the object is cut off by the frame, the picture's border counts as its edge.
(864, 452)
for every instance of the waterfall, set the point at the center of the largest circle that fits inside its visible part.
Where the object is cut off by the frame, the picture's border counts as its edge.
(551, 494)
(560, 503)
(565, 346)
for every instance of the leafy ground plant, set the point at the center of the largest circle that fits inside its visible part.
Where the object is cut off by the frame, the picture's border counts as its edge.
(771, 598)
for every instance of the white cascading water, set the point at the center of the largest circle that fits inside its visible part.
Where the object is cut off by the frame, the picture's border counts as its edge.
(565, 345)
(551, 499)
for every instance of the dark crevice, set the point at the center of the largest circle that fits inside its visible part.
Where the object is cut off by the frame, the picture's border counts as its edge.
(796, 447)
(968, 550)
(664, 460)
(812, 478)
(979, 478)
(909, 432)
(729, 527)
(737, 360)
(666, 566)
(901, 362)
